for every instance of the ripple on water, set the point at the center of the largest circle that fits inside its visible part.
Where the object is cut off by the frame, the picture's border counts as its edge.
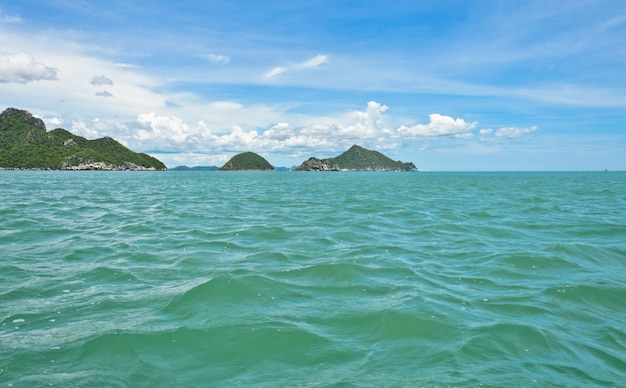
(427, 279)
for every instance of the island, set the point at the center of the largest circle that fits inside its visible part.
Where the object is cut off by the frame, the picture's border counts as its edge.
(25, 144)
(356, 158)
(195, 168)
(247, 161)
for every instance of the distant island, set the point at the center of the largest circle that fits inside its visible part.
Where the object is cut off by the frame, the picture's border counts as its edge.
(25, 144)
(196, 168)
(356, 159)
(247, 161)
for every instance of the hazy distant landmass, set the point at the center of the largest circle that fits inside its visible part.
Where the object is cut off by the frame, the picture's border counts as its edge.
(247, 161)
(25, 144)
(196, 168)
(215, 168)
(356, 159)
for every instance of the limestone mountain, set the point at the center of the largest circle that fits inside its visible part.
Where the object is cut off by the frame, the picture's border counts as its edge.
(25, 144)
(247, 161)
(356, 159)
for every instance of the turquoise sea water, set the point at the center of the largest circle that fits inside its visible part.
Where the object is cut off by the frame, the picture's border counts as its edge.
(312, 279)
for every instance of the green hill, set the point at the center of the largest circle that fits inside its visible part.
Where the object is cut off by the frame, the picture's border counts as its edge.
(247, 161)
(356, 159)
(25, 144)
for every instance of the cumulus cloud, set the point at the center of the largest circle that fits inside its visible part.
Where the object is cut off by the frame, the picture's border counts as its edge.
(439, 125)
(22, 67)
(218, 59)
(162, 128)
(363, 127)
(308, 64)
(322, 136)
(101, 80)
(53, 122)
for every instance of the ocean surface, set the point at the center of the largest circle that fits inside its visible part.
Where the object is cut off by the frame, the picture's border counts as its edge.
(141, 279)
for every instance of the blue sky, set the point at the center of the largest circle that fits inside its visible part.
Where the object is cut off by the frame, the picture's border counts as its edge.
(448, 85)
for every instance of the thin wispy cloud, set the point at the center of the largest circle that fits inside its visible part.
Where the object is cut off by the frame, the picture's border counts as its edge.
(488, 134)
(218, 59)
(104, 93)
(10, 19)
(274, 72)
(313, 62)
(308, 64)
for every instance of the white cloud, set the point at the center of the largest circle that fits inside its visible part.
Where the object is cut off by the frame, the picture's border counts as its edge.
(101, 80)
(163, 128)
(275, 71)
(53, 122)
(439, 125)
(313, 62)
(171, 133)
(511, 132)
(280, 131)
(22, 67)
(308, 64)
(366, 127)
(489, 134)
(485, 133)
(218, 59)
(126, 66)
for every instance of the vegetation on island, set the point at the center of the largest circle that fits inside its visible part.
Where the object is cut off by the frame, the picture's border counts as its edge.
(25, 144)
(356, 159)
(247, 161)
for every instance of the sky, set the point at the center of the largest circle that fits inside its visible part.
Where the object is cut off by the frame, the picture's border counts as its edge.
(450, 85)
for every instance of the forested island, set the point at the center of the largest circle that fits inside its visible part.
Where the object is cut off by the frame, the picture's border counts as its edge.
(247, 161)
(356, 158)
(25, 144)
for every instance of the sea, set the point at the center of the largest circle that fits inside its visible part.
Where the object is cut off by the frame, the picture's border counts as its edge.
(303, 279)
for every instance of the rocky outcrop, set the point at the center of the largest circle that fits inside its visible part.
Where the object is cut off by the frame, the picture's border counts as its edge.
(101, 166)
(315, 164)
(21, 115)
